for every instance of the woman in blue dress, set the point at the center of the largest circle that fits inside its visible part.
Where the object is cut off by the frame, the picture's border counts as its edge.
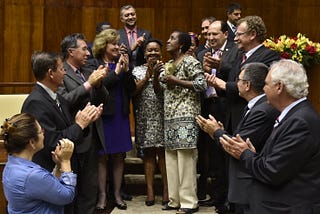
(120, 84)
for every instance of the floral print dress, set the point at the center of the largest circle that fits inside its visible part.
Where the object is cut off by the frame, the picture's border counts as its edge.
(182, 105)
(148, 108)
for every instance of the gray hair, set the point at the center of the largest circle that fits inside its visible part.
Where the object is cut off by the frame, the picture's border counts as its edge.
(125, 7)
(292, 75)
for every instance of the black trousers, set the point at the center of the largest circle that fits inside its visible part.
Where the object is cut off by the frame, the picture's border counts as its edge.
(87, 182)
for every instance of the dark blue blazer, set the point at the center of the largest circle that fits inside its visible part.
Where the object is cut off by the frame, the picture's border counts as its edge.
(235, 103)
(286, 172)
(257, 125)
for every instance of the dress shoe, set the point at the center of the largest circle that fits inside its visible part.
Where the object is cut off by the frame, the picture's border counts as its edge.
(167, 207)
(100, 209)
(121, 206)
(126, 196)
(187, 210)
(164, 202)
(207, 203)
(150, 203)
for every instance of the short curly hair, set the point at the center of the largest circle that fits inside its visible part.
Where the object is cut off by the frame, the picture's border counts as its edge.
(255, 23)
(102, 39)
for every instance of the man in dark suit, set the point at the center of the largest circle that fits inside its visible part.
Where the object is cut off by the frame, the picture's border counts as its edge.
(234, 15)
(80, 87)
(286, 172)
(52, 110)
(251, 32)
(256, 123)
(219, 59)
(132, 36)
(205, 22)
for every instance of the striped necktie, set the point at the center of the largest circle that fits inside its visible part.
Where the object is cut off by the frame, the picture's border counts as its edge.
(80, 75)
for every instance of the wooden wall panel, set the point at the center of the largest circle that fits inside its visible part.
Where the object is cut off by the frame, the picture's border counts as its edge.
(2, 40)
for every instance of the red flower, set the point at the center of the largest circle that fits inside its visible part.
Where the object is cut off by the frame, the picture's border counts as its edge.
(285, 55)
(311, 49)
(294, 46)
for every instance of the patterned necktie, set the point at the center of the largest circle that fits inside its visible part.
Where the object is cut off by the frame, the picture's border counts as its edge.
(132, 41)
(276, 123)
(244, 58)
(80, 75)
(234, 28)
(131, 38)
(58, 104)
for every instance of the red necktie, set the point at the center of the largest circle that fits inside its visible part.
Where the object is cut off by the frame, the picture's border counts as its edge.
(244, 58)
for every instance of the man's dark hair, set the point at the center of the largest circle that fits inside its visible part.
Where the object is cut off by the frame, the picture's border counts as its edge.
(256, 73)
(209, 18)
(224, 26)
(41, 62)
(70, 41)
(232, 7)
(102, 26)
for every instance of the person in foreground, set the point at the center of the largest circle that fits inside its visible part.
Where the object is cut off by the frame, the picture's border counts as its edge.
(28, 187)
(286, 172)
(182, 82)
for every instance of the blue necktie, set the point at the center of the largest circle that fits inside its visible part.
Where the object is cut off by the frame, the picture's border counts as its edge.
(80, 75)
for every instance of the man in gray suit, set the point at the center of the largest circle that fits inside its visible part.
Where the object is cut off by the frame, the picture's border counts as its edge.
(286, 173)
(82, 86)
(132, 36)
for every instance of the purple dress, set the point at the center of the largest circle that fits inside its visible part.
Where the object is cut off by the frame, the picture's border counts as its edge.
(117, 127)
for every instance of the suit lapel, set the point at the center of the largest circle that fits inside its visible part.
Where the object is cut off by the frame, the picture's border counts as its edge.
(52, 103)
(71, 73)
(255, 55)
(244, 118)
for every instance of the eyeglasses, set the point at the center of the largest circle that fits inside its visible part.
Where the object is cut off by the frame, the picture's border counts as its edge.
(83, 48)
(239, 79)
(239, 34)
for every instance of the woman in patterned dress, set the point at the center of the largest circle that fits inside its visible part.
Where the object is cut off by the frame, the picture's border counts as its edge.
(182, 81)
(148, 105)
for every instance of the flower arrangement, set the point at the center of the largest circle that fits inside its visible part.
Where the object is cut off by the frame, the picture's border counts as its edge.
(298, 48)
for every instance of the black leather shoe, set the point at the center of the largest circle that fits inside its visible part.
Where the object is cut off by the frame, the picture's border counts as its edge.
(121, 206)
(100, 209)
(164, 203)
(207, 203)
(126, 196)
(167, 207)
(150, 203)
(187, 210)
